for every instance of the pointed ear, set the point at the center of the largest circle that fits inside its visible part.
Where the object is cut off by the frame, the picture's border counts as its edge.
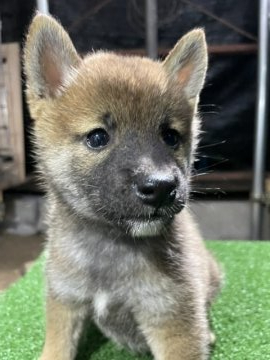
(49, 57)
(187, 61)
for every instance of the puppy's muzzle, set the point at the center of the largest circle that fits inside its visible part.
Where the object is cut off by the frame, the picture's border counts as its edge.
(156, 191)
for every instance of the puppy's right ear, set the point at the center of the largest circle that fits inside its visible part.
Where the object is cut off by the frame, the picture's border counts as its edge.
(49, 57)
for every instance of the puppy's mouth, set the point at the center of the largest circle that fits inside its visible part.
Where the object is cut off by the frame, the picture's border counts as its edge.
(149, 224)
(143, 221)
(145, 228)
(148, 218)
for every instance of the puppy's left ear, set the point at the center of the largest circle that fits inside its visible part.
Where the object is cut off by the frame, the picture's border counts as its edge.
(187, 61)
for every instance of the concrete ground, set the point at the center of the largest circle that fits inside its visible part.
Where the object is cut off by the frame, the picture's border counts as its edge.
(16, 255)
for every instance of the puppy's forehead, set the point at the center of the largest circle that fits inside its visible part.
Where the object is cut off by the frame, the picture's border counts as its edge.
(135, 71)
(114, 79)
(135, 91)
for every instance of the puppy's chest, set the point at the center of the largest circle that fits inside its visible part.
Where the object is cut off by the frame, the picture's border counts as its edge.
(119, 310)
(116, 319)
(111, 276)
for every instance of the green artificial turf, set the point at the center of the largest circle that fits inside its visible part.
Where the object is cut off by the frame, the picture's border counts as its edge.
(240, 316)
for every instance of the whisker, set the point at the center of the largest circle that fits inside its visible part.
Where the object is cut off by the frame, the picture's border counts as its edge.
(198, 192)
(215, 164)
(211, 145)
(209, 112)
(214, 189)
(204, 156)
(209, 105)
(200, 174)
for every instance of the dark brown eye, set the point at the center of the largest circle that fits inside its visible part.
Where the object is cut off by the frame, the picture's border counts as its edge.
(171, 137)
(97, 138)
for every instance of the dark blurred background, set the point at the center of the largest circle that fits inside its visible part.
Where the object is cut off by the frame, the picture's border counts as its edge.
(224, 168)
(228, 100)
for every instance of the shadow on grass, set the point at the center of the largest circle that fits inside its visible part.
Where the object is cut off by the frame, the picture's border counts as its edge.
(92, 341)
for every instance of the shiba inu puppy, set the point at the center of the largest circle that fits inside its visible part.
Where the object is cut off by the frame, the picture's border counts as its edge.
(115, 139)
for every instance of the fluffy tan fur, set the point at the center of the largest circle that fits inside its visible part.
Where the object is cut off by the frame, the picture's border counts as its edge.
(149, 293)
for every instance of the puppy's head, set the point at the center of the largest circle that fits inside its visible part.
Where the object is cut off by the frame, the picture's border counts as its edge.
(115, 135)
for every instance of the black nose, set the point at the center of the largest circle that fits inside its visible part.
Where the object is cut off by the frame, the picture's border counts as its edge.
(156, 191)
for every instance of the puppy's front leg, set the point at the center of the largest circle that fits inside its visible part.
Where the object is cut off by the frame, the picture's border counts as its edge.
(63, 328)
(177, 341)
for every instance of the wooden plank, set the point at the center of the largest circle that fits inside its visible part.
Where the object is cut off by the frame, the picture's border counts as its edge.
(13, 169)
(233, 49)
(225, 49)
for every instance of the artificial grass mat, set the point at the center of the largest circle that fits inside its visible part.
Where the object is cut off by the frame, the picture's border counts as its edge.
(240, 316)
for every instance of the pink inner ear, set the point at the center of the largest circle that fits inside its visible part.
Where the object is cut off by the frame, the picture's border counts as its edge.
(184, 74)
(51, 71)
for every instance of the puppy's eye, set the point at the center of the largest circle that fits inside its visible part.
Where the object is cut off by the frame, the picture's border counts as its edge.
(171, 137)
(97, 138)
